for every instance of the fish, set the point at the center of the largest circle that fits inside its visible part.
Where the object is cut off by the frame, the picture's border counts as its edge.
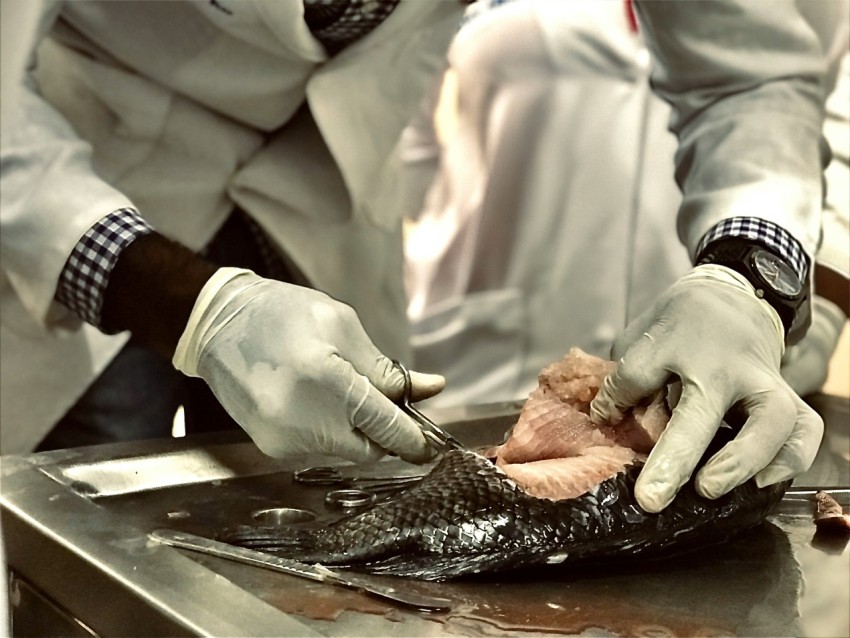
(489, 511)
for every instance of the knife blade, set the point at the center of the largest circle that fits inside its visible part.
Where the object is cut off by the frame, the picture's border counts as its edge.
(315, 572)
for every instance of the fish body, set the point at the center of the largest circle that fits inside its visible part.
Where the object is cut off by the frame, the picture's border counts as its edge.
(559, 490)
(468, 517)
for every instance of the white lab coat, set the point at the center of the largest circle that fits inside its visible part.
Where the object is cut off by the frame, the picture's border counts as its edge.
(174, 100)
(550, 221)
(166, 106)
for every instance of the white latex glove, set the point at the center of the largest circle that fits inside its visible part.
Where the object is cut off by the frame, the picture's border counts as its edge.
(805, 365)
(297, 371)
(724, 344)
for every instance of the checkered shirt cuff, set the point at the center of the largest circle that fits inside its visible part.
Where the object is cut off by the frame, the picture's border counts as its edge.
(83, 280)
(337, 24)
(764, 232)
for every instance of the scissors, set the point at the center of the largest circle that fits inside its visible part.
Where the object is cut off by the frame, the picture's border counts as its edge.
(350, 495)
(330, 475)
(440, 439)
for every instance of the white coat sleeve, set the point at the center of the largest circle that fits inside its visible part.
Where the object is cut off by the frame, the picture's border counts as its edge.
(49, 195)
(745, 80)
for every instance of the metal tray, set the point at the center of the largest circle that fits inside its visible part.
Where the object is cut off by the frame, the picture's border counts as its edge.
(76, 525)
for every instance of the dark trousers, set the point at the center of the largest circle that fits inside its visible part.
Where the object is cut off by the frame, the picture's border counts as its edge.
(139, 392)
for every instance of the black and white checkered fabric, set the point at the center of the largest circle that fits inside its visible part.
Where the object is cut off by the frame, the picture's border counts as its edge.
(764, 232)
(338, 23)
(83, 280)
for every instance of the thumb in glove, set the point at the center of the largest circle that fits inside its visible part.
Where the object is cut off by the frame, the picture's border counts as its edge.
(805, 365)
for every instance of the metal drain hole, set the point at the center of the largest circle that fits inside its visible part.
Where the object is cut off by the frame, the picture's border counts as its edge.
(283, 516)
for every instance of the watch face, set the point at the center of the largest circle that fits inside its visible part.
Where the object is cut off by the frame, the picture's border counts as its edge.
(777, 274)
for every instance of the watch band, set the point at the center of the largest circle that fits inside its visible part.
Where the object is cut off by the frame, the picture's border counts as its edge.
(789, 297)
(770, 235)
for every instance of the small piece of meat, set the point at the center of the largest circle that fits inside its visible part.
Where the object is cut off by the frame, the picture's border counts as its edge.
(829, 515)
(558, 479)
(641, 427)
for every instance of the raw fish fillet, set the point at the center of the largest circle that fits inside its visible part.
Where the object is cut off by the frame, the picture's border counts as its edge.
(560, 492)
(554, 451)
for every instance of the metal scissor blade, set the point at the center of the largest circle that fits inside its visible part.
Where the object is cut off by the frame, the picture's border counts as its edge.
(437, 436)
(294, 568)
(336, 475)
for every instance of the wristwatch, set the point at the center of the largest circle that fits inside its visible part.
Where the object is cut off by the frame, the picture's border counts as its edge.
(773, 278)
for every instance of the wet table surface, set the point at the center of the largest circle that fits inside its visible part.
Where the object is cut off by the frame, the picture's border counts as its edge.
(779, 579)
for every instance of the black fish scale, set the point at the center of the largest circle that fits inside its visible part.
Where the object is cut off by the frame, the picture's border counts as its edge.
(467, 516)
(430, 517)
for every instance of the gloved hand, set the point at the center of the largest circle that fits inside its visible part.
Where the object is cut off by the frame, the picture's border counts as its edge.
(724, 344)
(805, 365)
(297, 371)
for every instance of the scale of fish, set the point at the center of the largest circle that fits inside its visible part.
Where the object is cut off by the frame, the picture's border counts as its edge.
(515, 506)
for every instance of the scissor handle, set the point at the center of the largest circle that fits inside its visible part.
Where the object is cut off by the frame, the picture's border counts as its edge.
(408, 383)
(350, 498)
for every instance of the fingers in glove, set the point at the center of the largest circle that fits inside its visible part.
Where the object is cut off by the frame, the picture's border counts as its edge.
(369, 361)
(390, 381)
(425, 386)
(805, 366)
(356, 447)
(632, 332)
(382, 421)
(347, 444)
(637, 376)
(798, 452)
(680, 447)
(770, 421)
(358, 352)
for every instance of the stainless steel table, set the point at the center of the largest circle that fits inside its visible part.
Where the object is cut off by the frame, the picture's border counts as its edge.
(76, 526)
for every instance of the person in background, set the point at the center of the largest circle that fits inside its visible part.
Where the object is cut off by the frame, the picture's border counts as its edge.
(195, 173)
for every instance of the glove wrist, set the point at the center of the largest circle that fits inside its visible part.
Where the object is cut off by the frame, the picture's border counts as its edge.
(150, 274)
(774, 278)
(205, 318)
(729, 277)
